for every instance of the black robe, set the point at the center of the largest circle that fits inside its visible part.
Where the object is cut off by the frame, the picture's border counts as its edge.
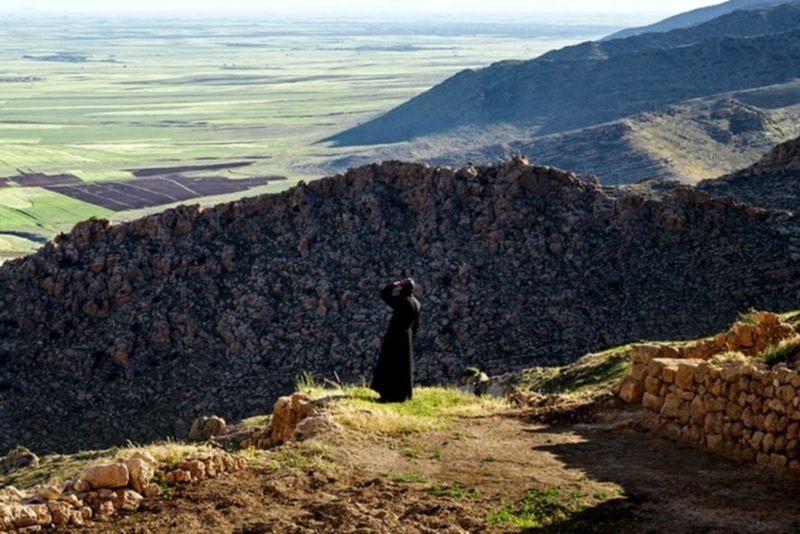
(394, 375)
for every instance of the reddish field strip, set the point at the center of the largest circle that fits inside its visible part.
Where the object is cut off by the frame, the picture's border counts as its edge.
(149, 192)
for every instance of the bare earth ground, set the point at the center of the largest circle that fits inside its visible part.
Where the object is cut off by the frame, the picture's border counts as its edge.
(637, 481)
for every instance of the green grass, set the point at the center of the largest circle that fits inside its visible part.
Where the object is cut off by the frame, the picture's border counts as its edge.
(786, 351)
(432, 408)
(56, 468)
(540, 508)
(173, 100)
(300, 456)
(793, 318)
(53, 468)
(409, 478)
(412, 453)
(455, 491)
(258, 420)
(748, 317)
(593, 374)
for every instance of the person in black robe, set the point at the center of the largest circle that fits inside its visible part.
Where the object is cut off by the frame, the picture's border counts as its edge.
(394, 375)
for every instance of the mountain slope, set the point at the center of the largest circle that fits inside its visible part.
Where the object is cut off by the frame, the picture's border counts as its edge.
(696, 16)
(138, 328)
(549, 97)
(694, 140)
(760, 20)
(772, 182)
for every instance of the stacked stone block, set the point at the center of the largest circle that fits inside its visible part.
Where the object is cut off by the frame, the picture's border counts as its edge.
(746, 411)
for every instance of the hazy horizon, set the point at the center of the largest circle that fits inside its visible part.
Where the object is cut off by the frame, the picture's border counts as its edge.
(519, 7)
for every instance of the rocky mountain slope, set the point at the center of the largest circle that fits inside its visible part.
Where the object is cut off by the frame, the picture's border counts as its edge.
(773, 182)
(130, 331)
(689, 104)
(688, 142)
(695, 17)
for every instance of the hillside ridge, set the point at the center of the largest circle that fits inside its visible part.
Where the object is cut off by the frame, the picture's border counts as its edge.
(696, 16)
(548, 95)
(143, 326)
(773, 181)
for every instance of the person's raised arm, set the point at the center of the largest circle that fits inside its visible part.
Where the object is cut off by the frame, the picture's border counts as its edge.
(387, 295)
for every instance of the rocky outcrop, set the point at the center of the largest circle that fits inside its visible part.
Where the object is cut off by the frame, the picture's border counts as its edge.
(298, 417)
(206, 427)
(772, 182)
(142, 327)
(17, 458)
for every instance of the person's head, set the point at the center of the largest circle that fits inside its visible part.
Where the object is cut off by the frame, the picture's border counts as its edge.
(407, 286)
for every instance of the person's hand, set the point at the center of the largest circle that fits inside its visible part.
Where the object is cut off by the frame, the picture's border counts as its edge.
(398, 284)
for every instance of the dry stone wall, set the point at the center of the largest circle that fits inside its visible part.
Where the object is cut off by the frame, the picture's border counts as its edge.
(105, 489)
(747, 411)
(131, 331)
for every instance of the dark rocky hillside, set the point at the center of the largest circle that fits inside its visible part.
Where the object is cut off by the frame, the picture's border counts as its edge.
(696, 16)
(129, 331)
(547, 96)
(773, 182)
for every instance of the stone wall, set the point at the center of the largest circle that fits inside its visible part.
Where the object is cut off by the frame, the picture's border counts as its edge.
(710, 394)
(105, 489)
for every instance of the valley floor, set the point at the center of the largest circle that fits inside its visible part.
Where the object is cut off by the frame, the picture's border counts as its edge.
(501, 473)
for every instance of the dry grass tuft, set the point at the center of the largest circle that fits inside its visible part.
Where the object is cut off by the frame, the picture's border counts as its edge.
(432, 408)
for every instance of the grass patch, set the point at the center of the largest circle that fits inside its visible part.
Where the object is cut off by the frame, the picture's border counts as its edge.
(54, 468)
(414, 453)
(410, 478)
(166, 452)
(455, 491)
(540, 508)
(593, 374)
(786, 351)
(301, 456)
(431, 409)
(793, 318)
(257, 420)
(731, 357)
(748, 317)
(57, 468)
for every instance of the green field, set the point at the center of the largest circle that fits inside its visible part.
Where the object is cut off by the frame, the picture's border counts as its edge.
(159, 92)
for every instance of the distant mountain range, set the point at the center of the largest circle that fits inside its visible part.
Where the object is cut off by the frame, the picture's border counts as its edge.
(696, 16)
(565, 107)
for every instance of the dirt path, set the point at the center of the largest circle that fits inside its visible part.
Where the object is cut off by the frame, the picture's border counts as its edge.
(451, 481)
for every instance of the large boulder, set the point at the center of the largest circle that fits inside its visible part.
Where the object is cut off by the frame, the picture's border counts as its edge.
(206, 427)
(141, 473)
(287, 413)
(107, 476)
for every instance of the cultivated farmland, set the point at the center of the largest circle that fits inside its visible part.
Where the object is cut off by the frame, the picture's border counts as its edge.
(117, 118)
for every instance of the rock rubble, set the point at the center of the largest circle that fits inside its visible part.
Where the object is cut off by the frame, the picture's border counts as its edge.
(142, 327)
(104, 490)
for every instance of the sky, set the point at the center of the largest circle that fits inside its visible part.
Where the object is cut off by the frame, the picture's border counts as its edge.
(510, 6)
